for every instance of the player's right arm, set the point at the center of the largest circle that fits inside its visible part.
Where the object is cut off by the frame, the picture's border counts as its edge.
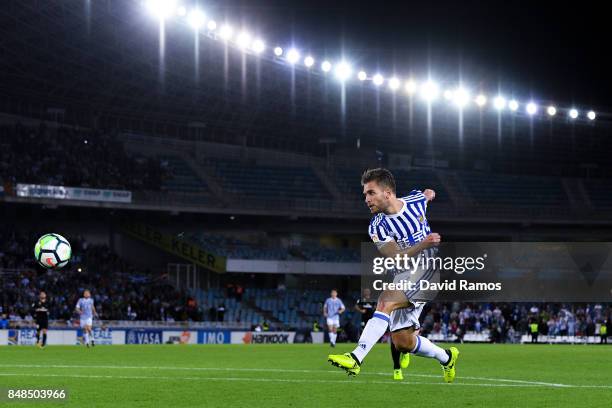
(325, 309)
(391, 248)
(77, 308)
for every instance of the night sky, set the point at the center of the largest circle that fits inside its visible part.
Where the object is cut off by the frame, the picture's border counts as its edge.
(554, 52)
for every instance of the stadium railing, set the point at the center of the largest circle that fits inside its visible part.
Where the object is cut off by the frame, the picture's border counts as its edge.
(139, 324)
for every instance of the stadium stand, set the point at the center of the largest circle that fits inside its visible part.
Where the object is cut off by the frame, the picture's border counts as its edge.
(184, 179)
(600, 192)
(66, 157)
(172, 175)
(514, 190)
(263, 180)
(232, 247)
(235, 248)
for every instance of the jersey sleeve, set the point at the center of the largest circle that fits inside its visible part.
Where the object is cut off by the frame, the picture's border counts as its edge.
(342, 305)
(416, 195)
(378, 232)
(78, 305)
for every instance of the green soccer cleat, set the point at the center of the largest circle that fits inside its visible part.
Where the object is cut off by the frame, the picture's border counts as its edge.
(346, 362)
(449, 369)
(404, 360)
(397, 375)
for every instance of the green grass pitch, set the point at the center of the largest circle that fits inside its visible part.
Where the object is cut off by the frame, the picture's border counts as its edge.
(299, 376)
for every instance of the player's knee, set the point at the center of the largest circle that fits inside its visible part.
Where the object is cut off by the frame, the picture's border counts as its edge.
(403, 341)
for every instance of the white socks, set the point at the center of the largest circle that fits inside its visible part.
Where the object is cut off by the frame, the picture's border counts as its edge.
(86, 337)
(426, 348)
(373, 331)
(333, 337)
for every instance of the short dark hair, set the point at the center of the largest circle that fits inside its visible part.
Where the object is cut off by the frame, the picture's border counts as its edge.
(380, 176)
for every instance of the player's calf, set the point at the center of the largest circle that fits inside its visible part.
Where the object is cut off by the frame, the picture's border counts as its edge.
(409, 341)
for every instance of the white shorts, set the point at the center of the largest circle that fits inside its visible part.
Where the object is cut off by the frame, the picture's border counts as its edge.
(333, 321)
(86, 322)
(406, 317)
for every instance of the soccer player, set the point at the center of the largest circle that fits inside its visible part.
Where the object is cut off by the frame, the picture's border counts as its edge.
(332, 309)
(86, 309)
(399, 226)
(41, 316)
(366, 306)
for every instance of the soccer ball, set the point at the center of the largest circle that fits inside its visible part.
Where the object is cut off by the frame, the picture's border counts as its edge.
(52, 251)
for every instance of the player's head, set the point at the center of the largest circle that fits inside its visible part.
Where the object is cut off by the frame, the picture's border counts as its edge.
(86, 293)
(334, 293)
(378, 189)
(42, 295)
(366, 293)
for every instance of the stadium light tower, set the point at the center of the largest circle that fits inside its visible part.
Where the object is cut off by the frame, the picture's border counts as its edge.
(293, 56)
(394, 84)
(573, 113)
(326, 66)
(591, 115)
(212, 25)
(362, 76)
(309, 61)
(258, 46)
(411, 87)
(378, 80)
(343, 71)
(226, 32)
(243, 40)
(532, 108)
(481, 100)
(278, 51)
(430, 91)
(513, 105)
(551, 110)
(196, 19)
(162, 9)
(499, 103)
(461, 97)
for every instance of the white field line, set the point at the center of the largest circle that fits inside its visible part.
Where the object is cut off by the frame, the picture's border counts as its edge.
(251, 379)
(508, 382)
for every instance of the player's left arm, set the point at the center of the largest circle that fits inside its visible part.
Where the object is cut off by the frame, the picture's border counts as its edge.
(95, 313)
(342, 308)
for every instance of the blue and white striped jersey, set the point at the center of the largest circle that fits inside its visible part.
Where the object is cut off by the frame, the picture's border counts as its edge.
(407, 227)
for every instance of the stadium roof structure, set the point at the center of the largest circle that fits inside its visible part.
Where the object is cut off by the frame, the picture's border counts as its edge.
(101, 67)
